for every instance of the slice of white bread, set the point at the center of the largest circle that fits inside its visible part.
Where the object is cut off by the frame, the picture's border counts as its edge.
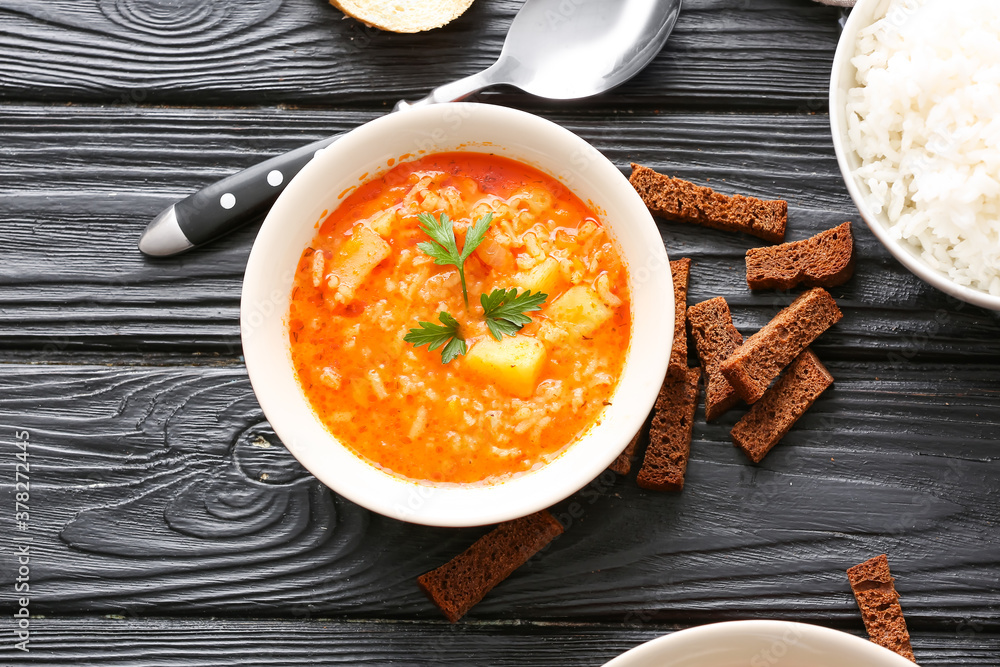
(403, 15)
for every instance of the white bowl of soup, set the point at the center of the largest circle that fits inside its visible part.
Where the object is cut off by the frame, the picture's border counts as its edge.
(507, 244)
(759, 644)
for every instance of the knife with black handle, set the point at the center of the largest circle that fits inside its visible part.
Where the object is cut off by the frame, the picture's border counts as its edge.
(230, 203)
(225, 205)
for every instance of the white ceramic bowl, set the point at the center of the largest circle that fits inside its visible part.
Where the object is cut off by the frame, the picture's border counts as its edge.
(363, 154)
(841, 80)
(759, 644)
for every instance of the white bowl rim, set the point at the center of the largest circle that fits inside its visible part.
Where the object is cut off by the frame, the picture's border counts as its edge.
(722, 634)
(860, 16)
(582, 462)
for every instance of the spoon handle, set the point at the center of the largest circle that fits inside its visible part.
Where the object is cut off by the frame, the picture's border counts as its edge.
(456, 90)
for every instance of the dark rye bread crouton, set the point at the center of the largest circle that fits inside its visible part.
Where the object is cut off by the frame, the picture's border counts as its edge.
(623, 464)
(772, 416)
(680, 200)
(458, 585)
(824, 260)
(874, 589)
(680, 270)
(755, 364)
(715, 338)
(666, 458)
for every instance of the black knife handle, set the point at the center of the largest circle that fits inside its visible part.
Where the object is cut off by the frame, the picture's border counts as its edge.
(227, 204)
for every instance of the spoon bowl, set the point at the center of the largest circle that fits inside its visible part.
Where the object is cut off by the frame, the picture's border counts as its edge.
(569, 50)
(588, 48)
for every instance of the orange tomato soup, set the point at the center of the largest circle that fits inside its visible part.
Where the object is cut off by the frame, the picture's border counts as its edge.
(504, 407)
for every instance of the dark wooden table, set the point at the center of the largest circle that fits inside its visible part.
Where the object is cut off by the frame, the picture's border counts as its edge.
(169, 526)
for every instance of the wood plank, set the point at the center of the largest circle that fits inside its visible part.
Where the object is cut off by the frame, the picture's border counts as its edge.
(163, 491)
(773, 53)
(167, 642)
(79, 184)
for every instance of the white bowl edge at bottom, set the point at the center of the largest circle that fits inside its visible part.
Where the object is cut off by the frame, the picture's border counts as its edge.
(759, 644)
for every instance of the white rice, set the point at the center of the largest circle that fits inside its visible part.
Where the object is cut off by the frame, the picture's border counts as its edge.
(925, 121)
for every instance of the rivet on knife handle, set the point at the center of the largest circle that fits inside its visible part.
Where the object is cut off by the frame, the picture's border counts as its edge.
(225, 205)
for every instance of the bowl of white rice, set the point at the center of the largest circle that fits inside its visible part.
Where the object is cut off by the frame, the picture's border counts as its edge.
(915, 112)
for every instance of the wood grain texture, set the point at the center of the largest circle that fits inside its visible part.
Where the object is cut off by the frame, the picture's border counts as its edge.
(166, 510)
(169, 642)
(79, 184)
(163, 491)
(763, 53)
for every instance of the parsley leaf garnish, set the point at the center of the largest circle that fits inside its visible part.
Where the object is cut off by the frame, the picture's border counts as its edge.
(443, 248)
(505, 310)
(435, 335)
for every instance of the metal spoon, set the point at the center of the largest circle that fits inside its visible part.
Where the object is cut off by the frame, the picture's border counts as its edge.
(571, 49)
(559, 49)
